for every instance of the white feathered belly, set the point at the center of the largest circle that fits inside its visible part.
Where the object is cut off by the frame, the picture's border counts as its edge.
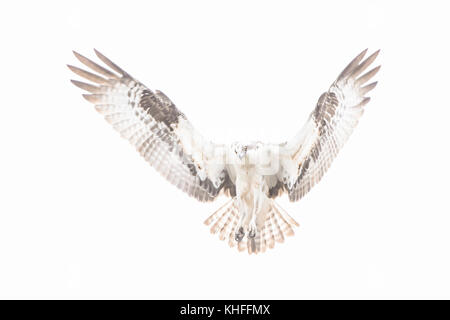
(251, 197)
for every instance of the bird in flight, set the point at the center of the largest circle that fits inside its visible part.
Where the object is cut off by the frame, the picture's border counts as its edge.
(253, 174)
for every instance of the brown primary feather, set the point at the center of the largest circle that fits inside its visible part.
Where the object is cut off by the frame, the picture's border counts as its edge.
(364, 90)
(352, 64)
(88, 75)
(366, 77)
(363, 66)
(86, 86)
(109, 63)
(94, 66)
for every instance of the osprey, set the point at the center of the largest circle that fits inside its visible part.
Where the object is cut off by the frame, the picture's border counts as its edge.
(252, 175)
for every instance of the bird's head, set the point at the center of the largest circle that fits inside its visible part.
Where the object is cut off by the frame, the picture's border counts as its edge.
(240, 149)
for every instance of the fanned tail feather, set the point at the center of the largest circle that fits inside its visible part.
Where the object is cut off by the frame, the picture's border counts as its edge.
(224, 221)
(277, 226)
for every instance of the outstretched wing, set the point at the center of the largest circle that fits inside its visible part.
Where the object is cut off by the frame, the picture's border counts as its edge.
(158, 130)
(305, 158)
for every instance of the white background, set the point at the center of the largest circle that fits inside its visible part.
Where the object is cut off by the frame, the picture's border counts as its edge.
(83, 216)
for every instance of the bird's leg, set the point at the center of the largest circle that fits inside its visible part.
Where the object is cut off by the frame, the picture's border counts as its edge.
(258, 200)
(240, 232)
(252, 226)
(257, 208)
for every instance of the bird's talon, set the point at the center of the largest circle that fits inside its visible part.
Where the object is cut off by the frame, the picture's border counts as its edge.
(239, 235)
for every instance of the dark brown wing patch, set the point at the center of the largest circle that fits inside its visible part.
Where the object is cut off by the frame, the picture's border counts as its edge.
(160, 108)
